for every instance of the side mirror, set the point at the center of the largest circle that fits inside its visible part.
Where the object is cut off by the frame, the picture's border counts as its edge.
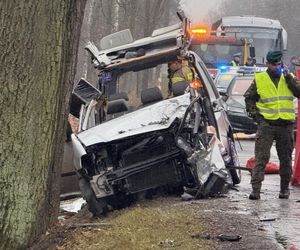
(252, 51)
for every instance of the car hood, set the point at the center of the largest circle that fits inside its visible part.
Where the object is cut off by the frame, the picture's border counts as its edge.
(154, 117)
(236, 101)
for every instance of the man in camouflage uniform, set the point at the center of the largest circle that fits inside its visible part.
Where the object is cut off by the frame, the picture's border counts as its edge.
(269, 101)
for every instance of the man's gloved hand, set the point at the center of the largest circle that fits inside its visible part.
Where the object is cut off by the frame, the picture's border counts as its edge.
(257, 118)
(286, 70)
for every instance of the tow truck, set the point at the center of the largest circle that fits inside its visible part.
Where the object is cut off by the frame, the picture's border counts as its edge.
(217, 51)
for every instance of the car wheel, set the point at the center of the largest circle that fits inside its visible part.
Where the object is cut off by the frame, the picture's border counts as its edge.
(235, 174)
(96, 206)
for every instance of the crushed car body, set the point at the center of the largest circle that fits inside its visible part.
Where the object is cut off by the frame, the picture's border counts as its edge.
(128, 145)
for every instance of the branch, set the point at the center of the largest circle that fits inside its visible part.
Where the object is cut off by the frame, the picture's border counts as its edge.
(77, 225)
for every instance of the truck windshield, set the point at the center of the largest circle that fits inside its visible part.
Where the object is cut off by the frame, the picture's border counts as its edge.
(214, 55)
(261, 38)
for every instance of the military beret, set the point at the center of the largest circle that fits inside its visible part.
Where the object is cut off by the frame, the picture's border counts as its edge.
(274, 56)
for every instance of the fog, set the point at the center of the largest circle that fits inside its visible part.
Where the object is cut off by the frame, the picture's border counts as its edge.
(199, 10)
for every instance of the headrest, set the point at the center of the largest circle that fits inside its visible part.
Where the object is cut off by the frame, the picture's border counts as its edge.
(151, 95)
(179, 88)
(116, 106)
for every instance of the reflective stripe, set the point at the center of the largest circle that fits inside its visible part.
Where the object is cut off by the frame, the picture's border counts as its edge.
(282, 110)
(190, 76)
(177, 79)
(273, 99)
(183, 74)
(234, 64)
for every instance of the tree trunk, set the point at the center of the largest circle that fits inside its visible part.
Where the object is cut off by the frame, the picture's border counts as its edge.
(38, 46)
(83, 62)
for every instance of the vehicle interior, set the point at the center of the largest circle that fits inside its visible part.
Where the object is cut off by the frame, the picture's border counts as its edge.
(132, 85)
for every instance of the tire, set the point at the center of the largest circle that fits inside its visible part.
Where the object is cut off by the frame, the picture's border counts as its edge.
(236, 175)
(98, 207)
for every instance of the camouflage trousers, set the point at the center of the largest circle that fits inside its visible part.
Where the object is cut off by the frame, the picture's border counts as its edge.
(283, 136)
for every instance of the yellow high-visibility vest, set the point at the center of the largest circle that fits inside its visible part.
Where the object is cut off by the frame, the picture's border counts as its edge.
(179, 75)
(234, 64)
(274, 103)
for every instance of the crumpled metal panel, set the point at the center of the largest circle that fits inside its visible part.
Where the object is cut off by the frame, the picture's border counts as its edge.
(207, 161)
(151, 118)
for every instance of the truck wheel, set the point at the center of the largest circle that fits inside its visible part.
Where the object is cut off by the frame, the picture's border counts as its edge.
(97, 207)
(235, 174)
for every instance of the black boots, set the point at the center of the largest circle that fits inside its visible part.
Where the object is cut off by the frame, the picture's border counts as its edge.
(285, 194)
(255, 194)
(284, 190)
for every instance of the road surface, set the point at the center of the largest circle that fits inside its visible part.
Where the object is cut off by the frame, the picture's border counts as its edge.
(280, 217)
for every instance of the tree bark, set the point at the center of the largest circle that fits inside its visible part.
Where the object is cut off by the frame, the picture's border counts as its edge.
(38, 43)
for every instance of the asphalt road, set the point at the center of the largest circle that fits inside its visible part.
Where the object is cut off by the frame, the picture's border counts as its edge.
(281, 218)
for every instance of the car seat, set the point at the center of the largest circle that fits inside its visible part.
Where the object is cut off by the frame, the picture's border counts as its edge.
(116, 108)
(179, 88)
(151, 95)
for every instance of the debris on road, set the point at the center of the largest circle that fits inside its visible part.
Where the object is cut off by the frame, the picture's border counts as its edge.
(243, 136)
(73, 205)
(224, 237)
(204, 236)
(265, 219)
(187, 197)
(167, 243)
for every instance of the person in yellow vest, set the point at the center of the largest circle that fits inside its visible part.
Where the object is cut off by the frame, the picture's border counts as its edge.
(179, 73)
(236, 60)
(269, 101)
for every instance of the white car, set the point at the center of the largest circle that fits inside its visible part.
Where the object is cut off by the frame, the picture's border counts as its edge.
(128, 145)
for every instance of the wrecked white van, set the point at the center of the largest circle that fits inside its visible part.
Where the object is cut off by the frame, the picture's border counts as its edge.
(135, 139)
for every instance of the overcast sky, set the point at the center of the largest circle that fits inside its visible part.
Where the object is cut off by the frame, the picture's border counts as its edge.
(198, 9)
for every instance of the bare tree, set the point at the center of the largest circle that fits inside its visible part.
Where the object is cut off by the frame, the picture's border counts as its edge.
(83, 63)
(38, 42)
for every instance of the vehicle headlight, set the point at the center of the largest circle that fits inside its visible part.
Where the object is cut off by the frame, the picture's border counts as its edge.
(236, 109)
